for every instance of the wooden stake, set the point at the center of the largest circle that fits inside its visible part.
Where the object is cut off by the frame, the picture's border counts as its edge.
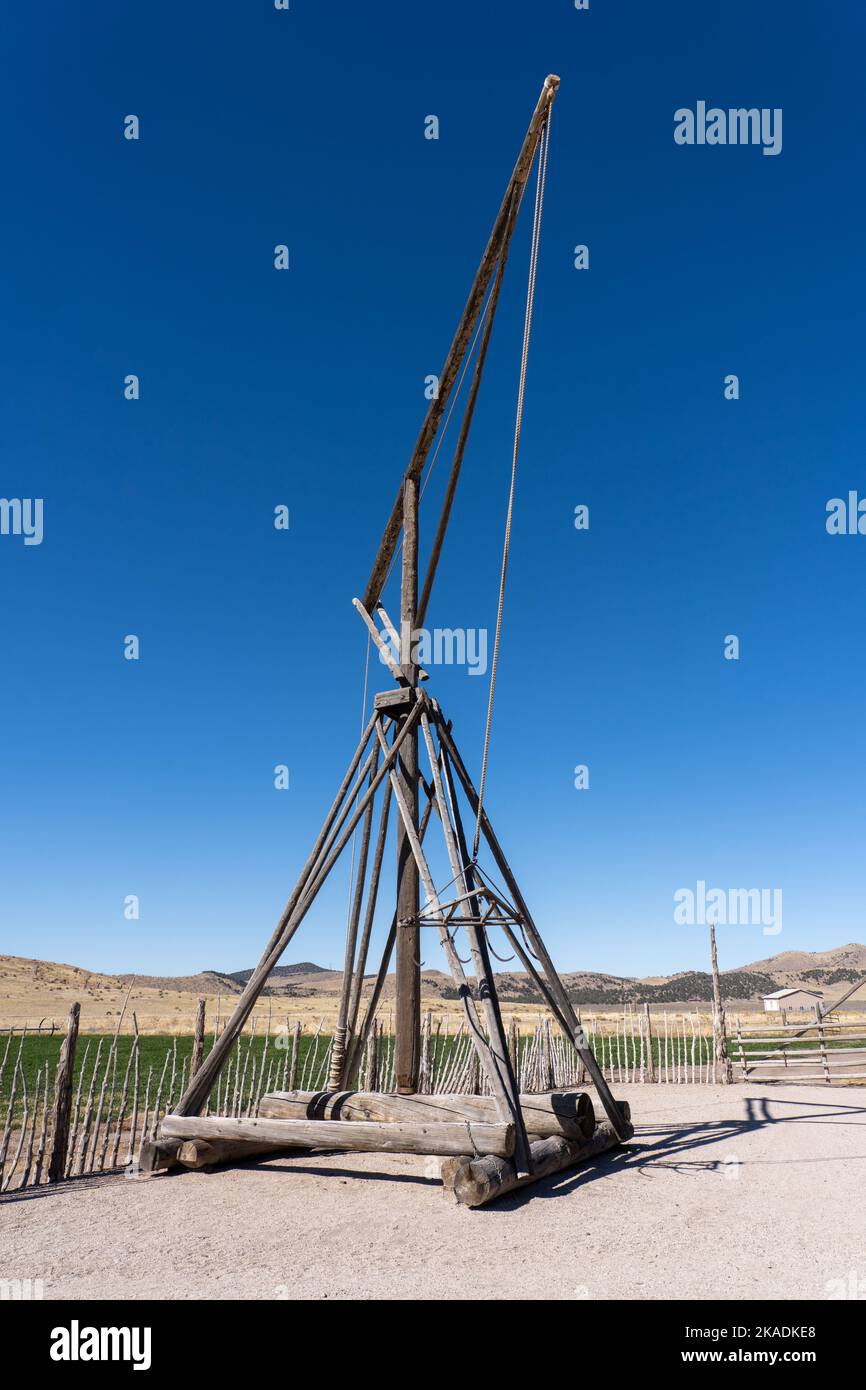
(720, 1042)
(651, 1066)
(198, 1037)
(63, 1098)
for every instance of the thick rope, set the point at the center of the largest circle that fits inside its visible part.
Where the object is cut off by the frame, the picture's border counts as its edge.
(518, 422)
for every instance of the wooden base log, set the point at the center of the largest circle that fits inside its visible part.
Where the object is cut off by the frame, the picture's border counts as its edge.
(208, 1153)
(156, 1156)
(481, 1180)
(467, 1137)
(568, 1113)
(601, 1118)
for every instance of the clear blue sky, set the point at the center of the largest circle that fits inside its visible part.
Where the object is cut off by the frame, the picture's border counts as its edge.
(305, 387)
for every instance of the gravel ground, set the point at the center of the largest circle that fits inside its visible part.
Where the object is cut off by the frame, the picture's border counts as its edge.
(732, 1192)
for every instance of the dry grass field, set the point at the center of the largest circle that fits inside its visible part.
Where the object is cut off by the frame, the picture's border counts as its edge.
(34, 992)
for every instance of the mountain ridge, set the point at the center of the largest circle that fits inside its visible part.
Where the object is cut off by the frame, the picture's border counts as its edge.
(826, 972)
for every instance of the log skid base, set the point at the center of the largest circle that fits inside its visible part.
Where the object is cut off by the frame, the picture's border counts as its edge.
(478, 1181)
(571, 1133)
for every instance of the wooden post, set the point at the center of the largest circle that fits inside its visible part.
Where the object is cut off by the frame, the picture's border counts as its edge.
(823, 1042)
(63, 1098)
(740, 1049)
(198, 1038)
(651, 1065)
(424, 1067)
(408, 983)
(720, 1042)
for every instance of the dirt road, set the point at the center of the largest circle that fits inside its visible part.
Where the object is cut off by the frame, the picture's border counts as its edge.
(733, 1192)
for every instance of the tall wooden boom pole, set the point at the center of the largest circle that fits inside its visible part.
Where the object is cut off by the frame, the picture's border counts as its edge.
(502, 229)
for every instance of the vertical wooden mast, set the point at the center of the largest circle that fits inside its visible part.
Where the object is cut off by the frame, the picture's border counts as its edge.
(408, 1011)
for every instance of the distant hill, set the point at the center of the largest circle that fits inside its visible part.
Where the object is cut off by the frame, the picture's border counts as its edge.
(823, 970)
(823, 967)
(33, 988)
(304, 967)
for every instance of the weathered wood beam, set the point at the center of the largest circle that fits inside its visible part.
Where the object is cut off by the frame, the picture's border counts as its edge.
(204, 1153)
(481, 1180)
(466, 1137)
(568, 1113)
(369, 914)
(338, 1047)
(463, 336)
(407, 1012)
(381, 644)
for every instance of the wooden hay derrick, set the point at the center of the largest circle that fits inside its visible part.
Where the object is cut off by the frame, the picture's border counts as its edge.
(406, 772)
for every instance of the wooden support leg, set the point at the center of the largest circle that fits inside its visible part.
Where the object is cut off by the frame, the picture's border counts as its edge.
(356, 1052)
(503, 1083)
(555, 986)
(293, 914)
(372, 898)
(338, 1049)
(476, 1033)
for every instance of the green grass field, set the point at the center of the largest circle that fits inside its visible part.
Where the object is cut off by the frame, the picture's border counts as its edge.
(154, 1049)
